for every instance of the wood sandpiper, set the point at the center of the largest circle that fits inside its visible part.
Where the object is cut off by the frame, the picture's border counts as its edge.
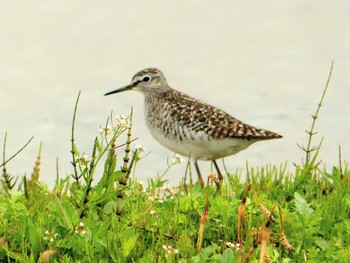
(188, 126)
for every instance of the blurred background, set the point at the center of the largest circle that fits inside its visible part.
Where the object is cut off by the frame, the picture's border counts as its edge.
(265, 63)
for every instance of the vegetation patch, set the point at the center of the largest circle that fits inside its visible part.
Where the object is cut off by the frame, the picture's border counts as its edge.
(275, 216)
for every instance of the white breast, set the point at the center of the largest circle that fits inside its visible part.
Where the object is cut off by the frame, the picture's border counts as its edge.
(199, 146)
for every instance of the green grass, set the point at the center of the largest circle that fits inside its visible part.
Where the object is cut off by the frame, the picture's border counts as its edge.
(276, 215)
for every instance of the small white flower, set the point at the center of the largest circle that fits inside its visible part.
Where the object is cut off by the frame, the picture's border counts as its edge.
(154, 213)
(150, 198)
(170, 249)
(105, 131)
(140, 148)
(230, 244)
(122, 121)
(140, 183)
(141, 186)
(80, 229)
(177, 159)
(50, 236)
(83, 160)
(235, 246)
(166, 187)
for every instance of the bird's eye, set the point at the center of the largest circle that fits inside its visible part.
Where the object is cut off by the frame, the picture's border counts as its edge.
(146, 79)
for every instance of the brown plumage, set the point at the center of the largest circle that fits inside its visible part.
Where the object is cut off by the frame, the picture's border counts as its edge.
(191, 127)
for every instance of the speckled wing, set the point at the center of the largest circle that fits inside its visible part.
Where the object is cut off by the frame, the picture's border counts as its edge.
(217, 124)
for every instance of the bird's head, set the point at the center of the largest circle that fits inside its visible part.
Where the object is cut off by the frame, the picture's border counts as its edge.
(147, 81)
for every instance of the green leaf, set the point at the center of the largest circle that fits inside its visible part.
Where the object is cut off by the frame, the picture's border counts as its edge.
(110, 207)
(322, 244)
(302, 206)
(228, 256)
(130, 238)
(34, 236)
(347, 200)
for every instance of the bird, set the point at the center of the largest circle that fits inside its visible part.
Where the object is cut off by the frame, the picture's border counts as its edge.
(190, 127)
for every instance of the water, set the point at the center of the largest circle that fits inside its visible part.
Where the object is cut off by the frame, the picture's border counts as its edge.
(265, 63)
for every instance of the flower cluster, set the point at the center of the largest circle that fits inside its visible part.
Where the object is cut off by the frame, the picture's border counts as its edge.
(177, 159)
(80, 229)
(105, 131)
(50, 236)
(164, 193)
(235, 246)
(141, 186)
(140, 148)
(154, 213)
(123, 121)
(83, 160)
(170, 249)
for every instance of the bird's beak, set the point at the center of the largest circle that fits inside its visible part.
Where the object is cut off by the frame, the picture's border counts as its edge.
(129, 87)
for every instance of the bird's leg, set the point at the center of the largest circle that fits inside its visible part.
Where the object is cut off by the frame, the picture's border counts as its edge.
(221, 178)
(200, 179)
